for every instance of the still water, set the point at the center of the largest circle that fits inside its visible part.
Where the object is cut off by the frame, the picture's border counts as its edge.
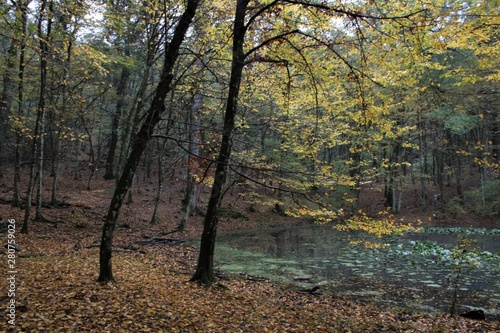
(418, 270)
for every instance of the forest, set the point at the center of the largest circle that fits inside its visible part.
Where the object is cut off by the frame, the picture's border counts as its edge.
(134, 133)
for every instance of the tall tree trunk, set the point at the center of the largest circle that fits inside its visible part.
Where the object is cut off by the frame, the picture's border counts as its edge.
(31, 186)
(55, 172)
(205, 268)
(7, 98)
(57, 142)
(440, 176)
(40, 165)
(161, 177)
(16, 197)
(458, 178)
(9, 77)
(44, 49)
(191, 198)
(422, 160)
(153, 116)
(93, 161)
(38, 136)
(136, 108)
(115, 123)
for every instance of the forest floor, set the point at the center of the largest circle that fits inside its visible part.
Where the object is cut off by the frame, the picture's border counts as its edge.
(57, 268)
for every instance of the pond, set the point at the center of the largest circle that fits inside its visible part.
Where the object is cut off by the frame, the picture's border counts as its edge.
(419, 271)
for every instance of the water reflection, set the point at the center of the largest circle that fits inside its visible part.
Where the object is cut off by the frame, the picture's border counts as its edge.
(325, 254)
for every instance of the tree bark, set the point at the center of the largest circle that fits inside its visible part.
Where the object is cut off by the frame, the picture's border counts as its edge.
(16, 197)
(205, 268)
(161, 177)
(115, 124)
(38, 136)
(140, 141)
(42, 110)
(22, 25)
(133, 118)
(56, 134)
(7, 98)
(191, 198)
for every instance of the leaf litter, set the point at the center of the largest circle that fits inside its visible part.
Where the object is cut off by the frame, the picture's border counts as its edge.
(57, 292)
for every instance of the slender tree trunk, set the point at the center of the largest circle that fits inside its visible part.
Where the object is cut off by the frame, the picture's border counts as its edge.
(56, 158)
(44, 49)
(29, 191)
(205, 268)
(7, 97)
(55, 172)
(191, 198)
(458, 179)
(440, 176)
(483, 180)
(159, 191)
(458, 172)
(115, 124)
(423, 191)
(16, 198)
(130, 198)
(38, 136)
(137, 106)
(40, 166)
(93, 162)
(140, 141)
(422, 161)
(35, 157)
(22, 8)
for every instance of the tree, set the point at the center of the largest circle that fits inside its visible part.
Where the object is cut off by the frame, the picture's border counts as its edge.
(189, 203)
(16, 196)
(205, 270)
(10, 119)
(278, 27)
(61, 96)
(9, 79)
(141, 139)
(44, 31)
(123, 34)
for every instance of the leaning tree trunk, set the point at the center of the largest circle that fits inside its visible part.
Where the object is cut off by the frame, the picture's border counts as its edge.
(205, 268)
(140, 141)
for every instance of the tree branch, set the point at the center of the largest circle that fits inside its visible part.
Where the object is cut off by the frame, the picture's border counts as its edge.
(270, 40)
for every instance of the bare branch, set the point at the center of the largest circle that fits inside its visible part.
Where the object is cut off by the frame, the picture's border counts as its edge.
(270, 40)
(354, 70)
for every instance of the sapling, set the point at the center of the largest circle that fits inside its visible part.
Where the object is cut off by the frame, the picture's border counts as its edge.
(460, 260)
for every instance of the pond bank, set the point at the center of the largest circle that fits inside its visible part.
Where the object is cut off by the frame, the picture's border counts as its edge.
(414, 282)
